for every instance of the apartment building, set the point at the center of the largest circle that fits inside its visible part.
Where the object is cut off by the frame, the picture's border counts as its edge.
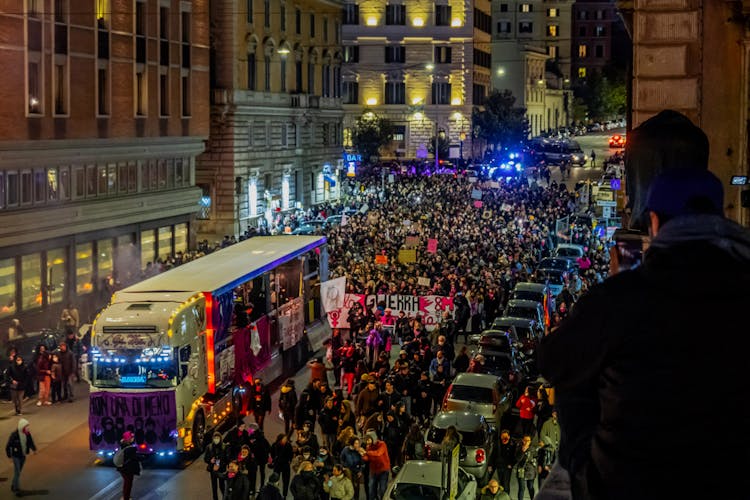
(593, 25)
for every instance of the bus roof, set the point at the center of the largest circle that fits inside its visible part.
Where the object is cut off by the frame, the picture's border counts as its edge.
(229, 267)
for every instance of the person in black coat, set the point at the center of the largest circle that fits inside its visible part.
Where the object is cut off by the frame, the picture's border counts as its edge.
(504, 458)
(288, 404)
(19, 377)
(305, 485)
(238, 485)
(236, 439)
(270, 490)
(260, 401)
(131, 465)
(215, 457)
(281, 459)
(20, 443)
(261, 452)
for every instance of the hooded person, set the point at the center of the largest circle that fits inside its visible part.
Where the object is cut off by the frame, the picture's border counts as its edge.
(376, 456)
(270, 490)
(131, 465)
(20, 443)
(305, 485)
(643, 323)
(287, 404)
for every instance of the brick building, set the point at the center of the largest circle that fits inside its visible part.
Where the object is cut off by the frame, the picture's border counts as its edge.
(103, 110)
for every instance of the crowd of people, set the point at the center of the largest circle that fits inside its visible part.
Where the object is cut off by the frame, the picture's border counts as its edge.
(366, 408)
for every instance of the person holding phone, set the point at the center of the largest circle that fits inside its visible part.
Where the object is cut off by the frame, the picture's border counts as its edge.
(653, 325)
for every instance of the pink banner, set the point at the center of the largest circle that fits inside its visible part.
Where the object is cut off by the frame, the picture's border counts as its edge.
(477, 203)
(432, 245)
(429, 307)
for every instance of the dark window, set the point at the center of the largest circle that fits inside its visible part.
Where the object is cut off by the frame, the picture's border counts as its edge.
(479, 93)
(443, 55)
(482, 21)
(311, 78)
(325, 29)
(267, 13)
(442, 15)
(441, 93)
(525, 27)
(350, 92)
(282, 17)
(351, 53)
(503, 7)
(312, 25)
(599, 51)
(298, 21)
(395, 14)
(185, 45)
(503, 26)
(395, 54)
(164, 36)
(582, 31)
(102, 82)
(249, 11)
(251, 71)
(482, 58)
(351, 13)
(583, 15)
(267, 75)
(298, 76)
(102, 42)
(282, 70)
(185, 96)
(600, 31)
(395, 93)
(163, 95)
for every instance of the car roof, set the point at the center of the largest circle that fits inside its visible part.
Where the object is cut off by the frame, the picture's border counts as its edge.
(531, 287)
(569, 245)
(462, 420)
(531, 304)
(427, 472)
(515, 321)
(476, 379)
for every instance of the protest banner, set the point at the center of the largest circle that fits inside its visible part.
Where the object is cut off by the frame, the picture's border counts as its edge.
(477, 203)
(381, 260)
(407, 255)
(411, 241)
(423, 281)
(432, 245)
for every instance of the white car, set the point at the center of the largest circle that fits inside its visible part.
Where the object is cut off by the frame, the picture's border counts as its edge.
(422, 480)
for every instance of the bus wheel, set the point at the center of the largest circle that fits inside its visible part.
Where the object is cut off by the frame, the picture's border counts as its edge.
(199, 431)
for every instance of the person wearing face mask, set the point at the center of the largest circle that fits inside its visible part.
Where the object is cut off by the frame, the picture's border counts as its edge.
(305, 485)
(303, 455)
(244, 460)
(237, 484)
(215, 457)
(505, 458)
(19, 377)
(323, 463)
(339, 484)
(20, 443)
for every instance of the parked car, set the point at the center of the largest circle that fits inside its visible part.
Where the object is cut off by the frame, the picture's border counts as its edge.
(538, 292)
(529, 332)
(530, 309)
(569, 251)
(490, 333)
(559, 263)
(480, 393)
(507, 365)
(477, 441)
(423, 480)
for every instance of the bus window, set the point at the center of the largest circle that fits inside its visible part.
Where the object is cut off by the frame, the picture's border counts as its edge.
(135, 368)
(184, 361)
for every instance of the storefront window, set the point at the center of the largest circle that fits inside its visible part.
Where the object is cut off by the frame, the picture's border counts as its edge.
(56, 275)
(148, 248)
(170, 174)
(91, 180)
(7, 287)
(180, 238)
(64, 183)
(165, 242)
(31, 281)
(112, 178)
(52, 185)
(104, 259)
(84, 268)
(102, 180)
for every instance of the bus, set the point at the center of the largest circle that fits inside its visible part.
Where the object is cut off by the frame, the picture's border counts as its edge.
(171, 355)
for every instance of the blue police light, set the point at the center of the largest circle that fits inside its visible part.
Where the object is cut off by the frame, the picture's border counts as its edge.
(519, 167)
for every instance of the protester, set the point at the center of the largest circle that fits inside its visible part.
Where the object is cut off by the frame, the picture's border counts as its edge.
(493, 491)
(376, 455)
(19, 377)
(281, 459)
(237, 484)
(260, 402)
(20, 443)
(215, 457)
(270, 490)
(131, 465)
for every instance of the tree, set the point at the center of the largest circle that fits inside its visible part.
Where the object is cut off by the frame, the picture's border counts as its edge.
(443, 146)
(370, 133)
(501, 123)
(604, 94)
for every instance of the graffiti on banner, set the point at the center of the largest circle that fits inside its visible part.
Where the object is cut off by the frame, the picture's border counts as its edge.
(429, 307)
(339, 318)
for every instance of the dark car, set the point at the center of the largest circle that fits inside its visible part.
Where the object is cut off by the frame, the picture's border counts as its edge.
(504, 364)
(559, 263)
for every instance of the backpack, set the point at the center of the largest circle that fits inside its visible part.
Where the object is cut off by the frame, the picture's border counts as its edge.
(119, 459)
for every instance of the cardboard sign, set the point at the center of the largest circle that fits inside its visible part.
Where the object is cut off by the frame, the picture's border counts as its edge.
(291, 323)
(407, 256)
(411, 241)
(477, 203)
(472, 179)
(406, 222)
(381, 260)
(494, 185)
(432, 245)
(487, 214)
(476, 194)
(423, 281)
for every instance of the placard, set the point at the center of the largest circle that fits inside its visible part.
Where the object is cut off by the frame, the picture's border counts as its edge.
(411, 241)
(472, 179)
(423, 281)
(381, 260)
(291, 323)
(477, 203)
(476, 194)
(407, 256)
(432, 245)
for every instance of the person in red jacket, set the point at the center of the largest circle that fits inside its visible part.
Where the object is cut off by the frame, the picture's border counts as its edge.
(527, 406)
(380, 465)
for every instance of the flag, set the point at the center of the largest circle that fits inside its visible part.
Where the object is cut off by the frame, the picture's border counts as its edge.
(332, 293)
(344, 220)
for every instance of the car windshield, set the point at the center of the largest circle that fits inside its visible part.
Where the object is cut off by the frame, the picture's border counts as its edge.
(568, 252)
(528, 295)
(553, 264)
(468, 438)
(497, 341)
(554, 278)
(471, 393)
(521, 312)
(410, 491)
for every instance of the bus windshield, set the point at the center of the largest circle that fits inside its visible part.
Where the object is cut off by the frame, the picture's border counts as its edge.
(134, 368)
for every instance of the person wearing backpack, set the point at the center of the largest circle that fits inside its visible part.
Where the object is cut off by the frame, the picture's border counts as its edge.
(20, 443)
(127, 463)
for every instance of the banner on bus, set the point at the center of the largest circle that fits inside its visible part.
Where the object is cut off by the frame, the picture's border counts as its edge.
(150, 415)
(291, 323)
(429, 307)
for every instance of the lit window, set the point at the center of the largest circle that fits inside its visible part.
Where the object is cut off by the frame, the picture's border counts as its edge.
(582, 50)
(581, 72)
(525, 7)
(552, 12)
(552, 30)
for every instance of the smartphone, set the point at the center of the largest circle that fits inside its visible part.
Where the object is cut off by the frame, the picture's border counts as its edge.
(627, 253)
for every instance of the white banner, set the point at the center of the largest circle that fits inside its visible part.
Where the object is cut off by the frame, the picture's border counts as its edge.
(332, 293)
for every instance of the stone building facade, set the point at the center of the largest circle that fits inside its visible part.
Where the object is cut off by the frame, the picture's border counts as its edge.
(592, 32)
(694, 56)
(276, 135)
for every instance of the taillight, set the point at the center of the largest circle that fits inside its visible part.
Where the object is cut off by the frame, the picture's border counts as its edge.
(479, 457)
(427, 451)
(494, 407)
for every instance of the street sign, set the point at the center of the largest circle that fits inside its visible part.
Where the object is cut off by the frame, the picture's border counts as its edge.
(606, 203)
